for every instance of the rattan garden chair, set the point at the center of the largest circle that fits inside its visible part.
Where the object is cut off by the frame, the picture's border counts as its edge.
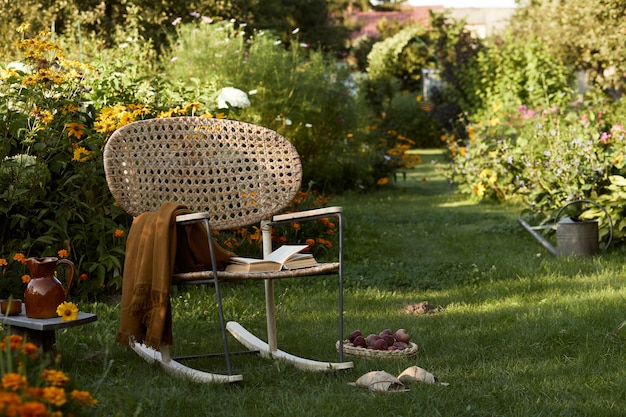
(230, 174)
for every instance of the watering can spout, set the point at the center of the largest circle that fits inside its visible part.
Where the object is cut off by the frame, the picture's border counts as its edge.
(537, 236)
(574, 237)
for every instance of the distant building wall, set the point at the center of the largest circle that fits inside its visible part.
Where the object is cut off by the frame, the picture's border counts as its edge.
(480, 21)
(484, 21)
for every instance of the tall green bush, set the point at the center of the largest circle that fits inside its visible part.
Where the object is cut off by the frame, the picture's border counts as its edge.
(297, 91)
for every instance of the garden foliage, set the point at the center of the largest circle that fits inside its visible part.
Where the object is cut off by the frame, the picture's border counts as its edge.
(32, 386)
(57, 113)
(531, 138)
(297, 91)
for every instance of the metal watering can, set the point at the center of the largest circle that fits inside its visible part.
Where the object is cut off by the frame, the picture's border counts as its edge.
(574, 237)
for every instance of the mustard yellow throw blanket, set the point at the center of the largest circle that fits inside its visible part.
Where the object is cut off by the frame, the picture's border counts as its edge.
(155, 248)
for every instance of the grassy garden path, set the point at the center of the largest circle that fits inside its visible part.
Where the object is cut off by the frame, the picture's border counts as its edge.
(518, 333)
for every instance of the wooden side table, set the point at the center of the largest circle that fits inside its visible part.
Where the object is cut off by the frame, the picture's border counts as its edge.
(42, 331)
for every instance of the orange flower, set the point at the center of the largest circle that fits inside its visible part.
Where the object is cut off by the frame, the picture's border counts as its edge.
(25, 278)
(55, 396)
(20, 258)
(118, 233)
(324, 242)
(3, 262)
(10, 403)
(63, 253)
(15, 342)
(34, 409)
(13, 381)
(54, 377)
(84, 398)
(310, 242)
(326, 222)
(296, 226)
(30, 349)
(83, 277)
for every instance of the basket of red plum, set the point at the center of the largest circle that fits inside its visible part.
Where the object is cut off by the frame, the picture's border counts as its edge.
(386, 344)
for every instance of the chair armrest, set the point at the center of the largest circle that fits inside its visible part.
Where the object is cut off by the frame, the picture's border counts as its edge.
(192, 217)
(307, 214)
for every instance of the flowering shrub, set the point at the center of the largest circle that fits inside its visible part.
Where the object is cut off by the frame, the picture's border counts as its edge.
(30, 387)
(546, 158)
(320, 234)
(57, 115)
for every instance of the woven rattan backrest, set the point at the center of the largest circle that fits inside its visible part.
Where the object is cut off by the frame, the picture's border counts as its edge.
(238, 172)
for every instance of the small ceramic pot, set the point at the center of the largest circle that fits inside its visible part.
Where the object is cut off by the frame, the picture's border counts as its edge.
(14, 307)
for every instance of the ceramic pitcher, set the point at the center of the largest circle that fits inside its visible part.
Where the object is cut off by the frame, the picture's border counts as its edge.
(44, 293)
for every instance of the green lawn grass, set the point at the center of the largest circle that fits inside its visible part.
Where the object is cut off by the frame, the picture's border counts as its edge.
(519, 333)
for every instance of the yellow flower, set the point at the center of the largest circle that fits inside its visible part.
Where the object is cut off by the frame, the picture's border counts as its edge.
(23, 27)
(75, 129)
(479, 189)
(70, 108)
(63, 253)
(67, 311)
(81, 154)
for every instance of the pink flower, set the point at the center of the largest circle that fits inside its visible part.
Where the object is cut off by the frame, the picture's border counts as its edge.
(604, 138)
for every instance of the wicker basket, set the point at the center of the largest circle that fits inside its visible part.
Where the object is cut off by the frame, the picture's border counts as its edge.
(350, 349)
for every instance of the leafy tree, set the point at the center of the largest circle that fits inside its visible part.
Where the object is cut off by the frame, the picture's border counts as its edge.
(100, 19)
(587, 35)
(455, 49)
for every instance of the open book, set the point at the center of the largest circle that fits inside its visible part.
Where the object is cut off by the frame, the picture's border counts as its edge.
(287, 257)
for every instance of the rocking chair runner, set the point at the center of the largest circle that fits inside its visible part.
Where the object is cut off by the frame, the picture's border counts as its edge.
(230, 174)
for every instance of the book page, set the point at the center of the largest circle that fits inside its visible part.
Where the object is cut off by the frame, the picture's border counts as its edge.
(284, 252)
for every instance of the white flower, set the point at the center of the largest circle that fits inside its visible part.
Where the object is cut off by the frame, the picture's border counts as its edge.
(252, 92)
(296, 30)
(308, 125)
(278, 42)
(232, 97)
(288, 122)
(18, 66)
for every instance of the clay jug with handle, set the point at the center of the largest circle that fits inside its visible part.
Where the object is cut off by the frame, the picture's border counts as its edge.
(44, 292)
